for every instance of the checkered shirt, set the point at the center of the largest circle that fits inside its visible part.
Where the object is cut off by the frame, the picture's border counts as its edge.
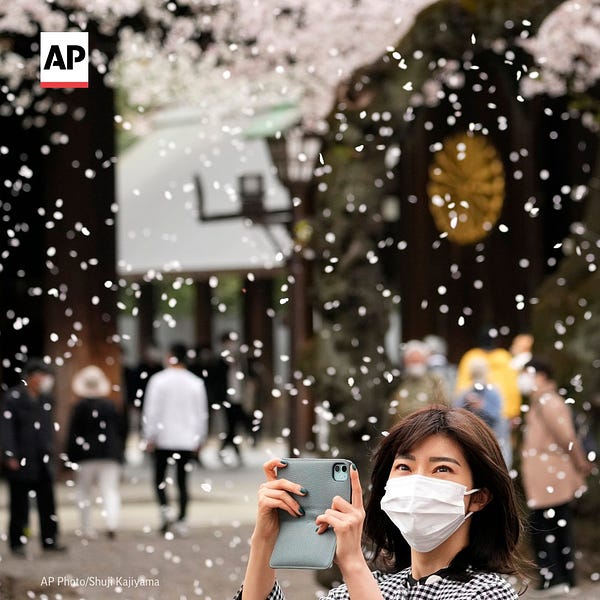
(400, 586)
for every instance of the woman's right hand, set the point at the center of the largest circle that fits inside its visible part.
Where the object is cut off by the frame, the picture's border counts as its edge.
(275, 494)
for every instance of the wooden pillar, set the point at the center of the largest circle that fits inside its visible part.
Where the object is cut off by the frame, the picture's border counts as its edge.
(81, 285)
(302, 415)
(146, 312)
(23, 249)
(415, 277)
(258, 333)
(203, 314)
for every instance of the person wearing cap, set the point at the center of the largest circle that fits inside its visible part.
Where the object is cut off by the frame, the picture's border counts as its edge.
(95, 447)
(27, 438)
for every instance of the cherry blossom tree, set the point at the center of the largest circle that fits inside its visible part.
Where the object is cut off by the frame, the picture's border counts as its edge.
(566, 50)
(229, 57)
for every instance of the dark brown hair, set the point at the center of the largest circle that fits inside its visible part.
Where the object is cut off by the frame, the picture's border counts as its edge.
(495, 530)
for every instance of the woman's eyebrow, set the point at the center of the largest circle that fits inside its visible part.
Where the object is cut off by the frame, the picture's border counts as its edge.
(443, 459)
(405, 456)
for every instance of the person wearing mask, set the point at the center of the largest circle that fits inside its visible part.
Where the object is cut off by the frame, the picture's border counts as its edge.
(27, 438)
(95, 447)
(175, 425)
(553, 469)
(485, 400)
(442, 519)
(438, 363)
(520, 350)
(419, 386)
(501, 375)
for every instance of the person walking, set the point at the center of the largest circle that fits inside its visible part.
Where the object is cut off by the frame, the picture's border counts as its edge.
(95, 447)
(553, 469)
(230, 387)
(27, 437)
(175, 424)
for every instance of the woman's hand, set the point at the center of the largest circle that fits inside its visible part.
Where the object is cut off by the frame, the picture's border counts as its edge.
(346, 519)
(273, 494)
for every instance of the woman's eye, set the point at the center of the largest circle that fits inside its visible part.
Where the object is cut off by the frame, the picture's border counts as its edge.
(443, 469)
(401, 467)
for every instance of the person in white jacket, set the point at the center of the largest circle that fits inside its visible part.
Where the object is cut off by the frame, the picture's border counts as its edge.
(175, 425)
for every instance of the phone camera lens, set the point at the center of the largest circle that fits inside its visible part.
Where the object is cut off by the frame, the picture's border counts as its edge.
(344, 468)
(337, 467)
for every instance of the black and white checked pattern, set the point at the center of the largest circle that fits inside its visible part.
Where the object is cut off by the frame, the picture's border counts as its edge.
(400, 586)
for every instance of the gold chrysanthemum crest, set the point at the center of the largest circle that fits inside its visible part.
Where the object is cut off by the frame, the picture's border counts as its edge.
(466, 187)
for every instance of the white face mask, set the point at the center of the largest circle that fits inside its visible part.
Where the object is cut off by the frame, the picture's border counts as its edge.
(526, 383)
(416, 370)
(427, 511)
(46, 384)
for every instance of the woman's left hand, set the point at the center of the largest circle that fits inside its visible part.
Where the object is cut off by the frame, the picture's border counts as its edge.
(346, 519)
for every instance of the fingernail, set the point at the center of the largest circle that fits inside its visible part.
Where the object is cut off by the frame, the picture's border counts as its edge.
(283, 461)
(317, 528)
(301, 511)
(353, 467)
(303, 491)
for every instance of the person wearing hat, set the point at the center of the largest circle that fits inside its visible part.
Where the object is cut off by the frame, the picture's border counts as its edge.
(95, 447)
(27, 438)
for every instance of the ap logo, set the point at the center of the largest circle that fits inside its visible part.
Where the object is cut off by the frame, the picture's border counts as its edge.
(64, 59)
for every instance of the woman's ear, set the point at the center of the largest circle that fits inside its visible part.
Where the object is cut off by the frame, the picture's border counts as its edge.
(480, 499)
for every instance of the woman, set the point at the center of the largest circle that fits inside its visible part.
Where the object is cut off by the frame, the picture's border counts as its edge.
(442, 517)
(553, 467)
(95, 446)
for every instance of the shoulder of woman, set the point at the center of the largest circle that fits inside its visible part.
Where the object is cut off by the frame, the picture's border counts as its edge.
(381, 575)
(390, 583)
(496, 584)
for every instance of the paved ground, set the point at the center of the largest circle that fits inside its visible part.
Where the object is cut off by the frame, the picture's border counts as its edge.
(208, 564)
(142, 564)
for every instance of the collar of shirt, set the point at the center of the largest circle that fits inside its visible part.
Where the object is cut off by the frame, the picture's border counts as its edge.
(445, 573)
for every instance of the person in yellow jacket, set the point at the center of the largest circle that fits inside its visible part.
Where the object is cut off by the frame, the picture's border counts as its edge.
(503, 376)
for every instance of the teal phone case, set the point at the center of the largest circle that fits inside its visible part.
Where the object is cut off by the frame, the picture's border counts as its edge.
(298, 545)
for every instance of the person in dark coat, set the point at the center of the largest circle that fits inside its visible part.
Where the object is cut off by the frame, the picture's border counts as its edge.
(229, 385)
(27, 439)
(95, 447)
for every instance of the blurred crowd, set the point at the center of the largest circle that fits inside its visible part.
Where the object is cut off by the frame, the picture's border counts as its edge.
(172, 401)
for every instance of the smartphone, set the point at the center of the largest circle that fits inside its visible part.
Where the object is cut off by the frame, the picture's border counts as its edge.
(298, 545)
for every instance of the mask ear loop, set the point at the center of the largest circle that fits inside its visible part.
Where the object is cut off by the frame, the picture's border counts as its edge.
(473, 491)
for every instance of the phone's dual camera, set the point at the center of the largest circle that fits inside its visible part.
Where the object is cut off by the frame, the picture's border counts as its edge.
(340, 472)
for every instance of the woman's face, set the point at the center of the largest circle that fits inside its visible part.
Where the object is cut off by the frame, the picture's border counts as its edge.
(437, 456)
